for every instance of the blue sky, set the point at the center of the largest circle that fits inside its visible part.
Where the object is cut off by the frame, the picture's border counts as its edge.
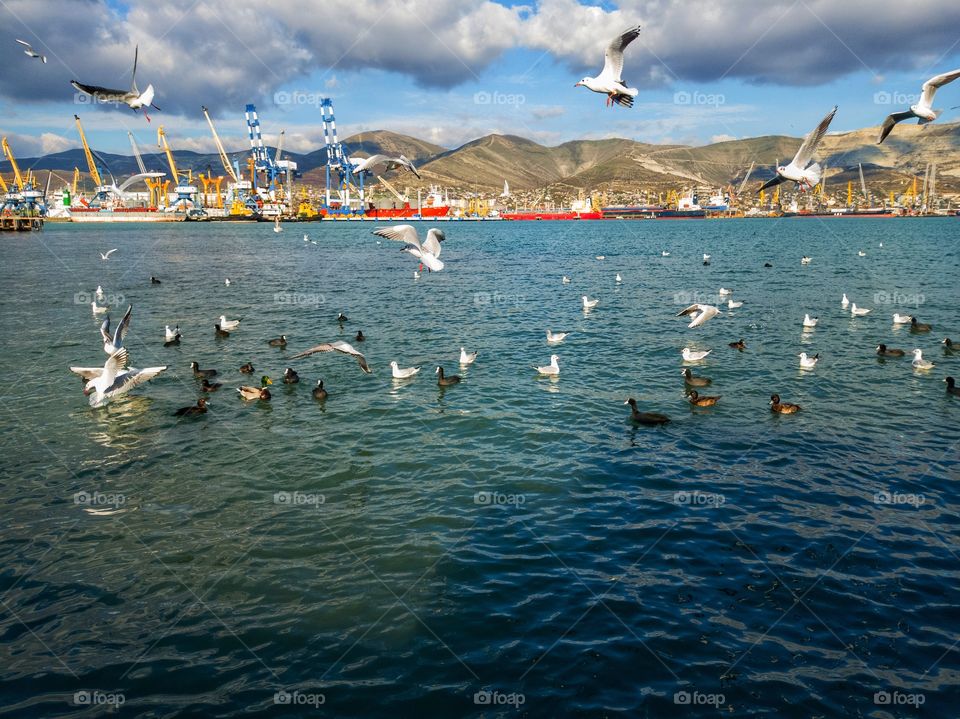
(448, 73)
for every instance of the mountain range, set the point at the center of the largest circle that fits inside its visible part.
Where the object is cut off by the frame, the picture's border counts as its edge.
(615, 165)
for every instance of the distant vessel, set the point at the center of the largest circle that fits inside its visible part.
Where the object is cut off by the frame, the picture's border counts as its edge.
(123, 214)
(433, 207)
(687, 209)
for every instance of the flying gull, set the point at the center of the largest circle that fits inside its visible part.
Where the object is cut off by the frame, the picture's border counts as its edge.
(428, 252)
(338, 346)
(132, 98)
(800, 170)
(610, 81)
(30, 52)
(923, 110)
(391, 163)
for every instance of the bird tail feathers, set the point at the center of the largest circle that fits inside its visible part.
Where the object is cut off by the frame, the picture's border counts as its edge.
(815, 173)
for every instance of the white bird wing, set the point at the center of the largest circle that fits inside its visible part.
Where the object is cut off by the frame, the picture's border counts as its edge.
(937, 81)
(432, 243)
(87, 372)
(112, 367)
(812, 141)
(338, 346)
(105, 329)
(108, 253)
(121, 332)
(126, 381)
(25, 44)
(400, 233)
(369, 162)
(409, 165)
(613, 55)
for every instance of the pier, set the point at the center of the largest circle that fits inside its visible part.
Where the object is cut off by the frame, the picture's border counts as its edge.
(20, 223)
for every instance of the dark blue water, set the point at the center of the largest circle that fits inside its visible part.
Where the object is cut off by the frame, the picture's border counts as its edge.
(511, 545)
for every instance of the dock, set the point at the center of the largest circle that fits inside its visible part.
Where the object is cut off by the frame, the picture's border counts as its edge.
(19, 223)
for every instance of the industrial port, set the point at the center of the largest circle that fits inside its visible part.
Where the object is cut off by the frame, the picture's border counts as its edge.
(265, 186)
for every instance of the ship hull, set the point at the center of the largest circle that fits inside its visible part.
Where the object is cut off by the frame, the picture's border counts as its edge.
(125, 216)
(571, 215)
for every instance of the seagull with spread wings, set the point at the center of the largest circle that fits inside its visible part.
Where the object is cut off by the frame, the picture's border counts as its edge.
(112, 381)
(132, 98)
(609, 81)
(391, 163)
(427, 252)
(338, 346)
(30, 52)
(800, 170)
(923, 110)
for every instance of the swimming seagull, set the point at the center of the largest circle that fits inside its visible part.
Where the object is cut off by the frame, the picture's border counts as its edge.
(800, 170)
(228, 325)
(338, 346)
(565, 280)
(619, 279)
(106, 255)
(428, 252)
(809, 322)
(589, 304)
(30, 52)
(919, 362)
(922, 110)
(690, 355)
(808, 362)
(551, 369)
(391, 163)
(227, 282)
(858, 311)
(113, 343)
(610, 81)
(112, 380)
(556, 338)
(403, 373)
(664, 253)
(706, 259)
(99, 293)
(98, 310)
(844, 302)
(805, 260)
(171, 335)
(467, 357)
(724, 291)
(734, 305)
(899, 319)
(861, 253)
(701, 313)
(132, 98)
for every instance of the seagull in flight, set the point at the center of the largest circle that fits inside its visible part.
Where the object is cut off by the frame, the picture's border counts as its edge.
(338, 346)
(106, 255)
(923, 110)
(609, 81)
(800, 170)
(132, 98)
(428, 252)
(30, 52)
(391, 163)
(701, 313)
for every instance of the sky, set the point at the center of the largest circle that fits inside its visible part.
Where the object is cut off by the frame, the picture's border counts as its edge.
(449, 71)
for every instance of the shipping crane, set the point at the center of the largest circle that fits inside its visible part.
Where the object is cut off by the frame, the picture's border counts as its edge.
(17, 177)
(91, 165)
(746, 179)
(152, 180)
(185, 192)
(340, 177)
(240, 192)
(402, 198)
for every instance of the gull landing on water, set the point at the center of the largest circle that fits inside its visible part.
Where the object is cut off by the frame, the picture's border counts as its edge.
(428, 252)
(609, 81)
(800, 170)
(132, 98)
(923, 110)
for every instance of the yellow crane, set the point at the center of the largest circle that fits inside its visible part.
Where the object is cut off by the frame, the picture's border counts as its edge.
(91, 165)
(18, 178)
(228, 168)
(3, 185)
(162, 143)
(402, 198)
(76, 180)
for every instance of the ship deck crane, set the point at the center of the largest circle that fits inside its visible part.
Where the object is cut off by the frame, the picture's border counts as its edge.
(224, 159)
(185, 192)
(863, 185)
(402, 198)
(746, 179)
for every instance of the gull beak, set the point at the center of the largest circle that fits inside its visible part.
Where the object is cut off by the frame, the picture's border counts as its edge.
(626, 401)
(578, 84)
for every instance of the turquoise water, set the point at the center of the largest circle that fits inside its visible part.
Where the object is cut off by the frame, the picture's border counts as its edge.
(731, 559)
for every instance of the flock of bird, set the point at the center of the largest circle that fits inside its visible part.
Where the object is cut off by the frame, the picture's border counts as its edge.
(115, 379)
